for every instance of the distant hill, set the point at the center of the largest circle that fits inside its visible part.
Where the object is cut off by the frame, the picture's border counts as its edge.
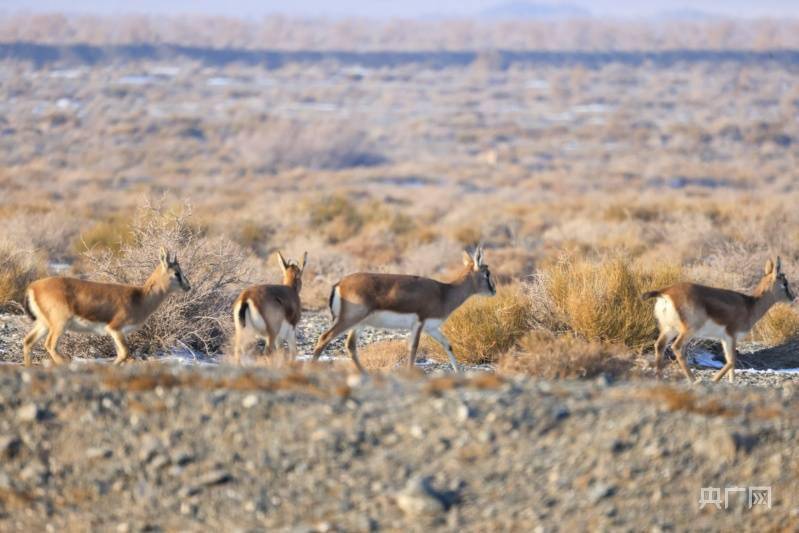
(526, 10)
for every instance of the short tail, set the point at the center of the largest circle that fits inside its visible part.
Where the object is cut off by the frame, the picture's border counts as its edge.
(242, 315)
(27, 306)
(330, 301)
(650, 294)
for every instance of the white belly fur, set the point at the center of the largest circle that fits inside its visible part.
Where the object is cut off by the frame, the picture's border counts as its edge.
(390, 320)
(81, 325)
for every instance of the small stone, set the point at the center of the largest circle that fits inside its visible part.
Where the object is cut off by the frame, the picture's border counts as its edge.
(9, 446)
(601, 491)
(29, 413)
(251, 400)
(717, 443)
(98, 453)
(214, 477)
(418, 499)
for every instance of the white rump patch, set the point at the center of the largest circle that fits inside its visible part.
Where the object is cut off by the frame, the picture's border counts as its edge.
(335, 305)
(390, 320)
(254, 318)
(81, 325)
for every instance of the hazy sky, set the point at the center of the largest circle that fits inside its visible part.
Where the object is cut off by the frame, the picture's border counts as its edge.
(400, 8)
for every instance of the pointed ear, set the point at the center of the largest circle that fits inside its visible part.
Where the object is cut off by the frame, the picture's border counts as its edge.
(468, 260)
(478, 257)
(769, 268)
(778, 265)
(304, 260)
(282, 262)
(164, 257)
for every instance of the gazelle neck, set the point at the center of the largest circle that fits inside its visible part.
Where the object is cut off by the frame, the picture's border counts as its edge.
(763, 300)
(155, 288)
(459, 290)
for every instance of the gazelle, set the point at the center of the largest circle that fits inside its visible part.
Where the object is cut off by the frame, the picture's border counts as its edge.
(271, 311)
(59, 304)
(688, 310)
(395, 301)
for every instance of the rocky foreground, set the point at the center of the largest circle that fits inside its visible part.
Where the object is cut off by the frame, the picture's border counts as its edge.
(169, 447)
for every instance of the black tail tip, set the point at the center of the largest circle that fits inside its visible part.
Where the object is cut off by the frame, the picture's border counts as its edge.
(650, 294)
(27, 306)
(243, 314)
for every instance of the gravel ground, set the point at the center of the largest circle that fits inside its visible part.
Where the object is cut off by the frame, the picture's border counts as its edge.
(170, 447)
(165, 446)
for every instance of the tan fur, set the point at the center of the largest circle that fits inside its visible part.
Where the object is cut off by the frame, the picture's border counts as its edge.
(60, 304)
(270, 309)
(688, 310)
(404, 302)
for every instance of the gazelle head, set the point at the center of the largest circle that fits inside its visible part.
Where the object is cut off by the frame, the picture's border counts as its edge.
(292, 271)
(775, 282)
(479, 273)
(170, 269)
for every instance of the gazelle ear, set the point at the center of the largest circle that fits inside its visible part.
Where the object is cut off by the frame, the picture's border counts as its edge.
(282, 262)
(304, 260)
(778, 265)
(164, 257)
(478, 257)
(769, 268)
(468, 260)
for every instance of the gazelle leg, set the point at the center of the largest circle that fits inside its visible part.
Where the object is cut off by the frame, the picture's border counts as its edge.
(237, 343)
(660, 349)
(35, 335)
(442, 340)
(352, 349)
(121, 345)
(677, 346)
(292, 340)
(51, 343)
(327, 337)
(416, 334)
(729, 355)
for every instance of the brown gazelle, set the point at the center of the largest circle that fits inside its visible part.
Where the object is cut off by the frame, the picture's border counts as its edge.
(271, 311)
(395, 301)
(688, 310)
(59, 304)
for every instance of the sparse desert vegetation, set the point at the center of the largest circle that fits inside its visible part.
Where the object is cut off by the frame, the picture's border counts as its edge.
(588, 183)
(593, 160)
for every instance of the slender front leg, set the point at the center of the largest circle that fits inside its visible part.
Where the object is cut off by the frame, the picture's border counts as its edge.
(442, 340)
(416, 334)
(729, 355)
(677, 347)
(352, 348)
(39, 330)
(51, 344)
(292, 340)
(121, 345)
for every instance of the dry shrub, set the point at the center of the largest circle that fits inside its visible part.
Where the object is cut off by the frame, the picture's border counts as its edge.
(337, 216)
(322, 145)
(600, 300)
(546, 355)
(17, 269)
(780, 325)
(197, 320)
(110, 234)
(385, 355)
(485, 327)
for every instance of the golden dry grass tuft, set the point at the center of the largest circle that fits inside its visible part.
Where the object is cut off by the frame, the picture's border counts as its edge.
(110, 234)
(17, 270)
(601, 300)
(550, 356)
(485, 327)
(780, 325)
